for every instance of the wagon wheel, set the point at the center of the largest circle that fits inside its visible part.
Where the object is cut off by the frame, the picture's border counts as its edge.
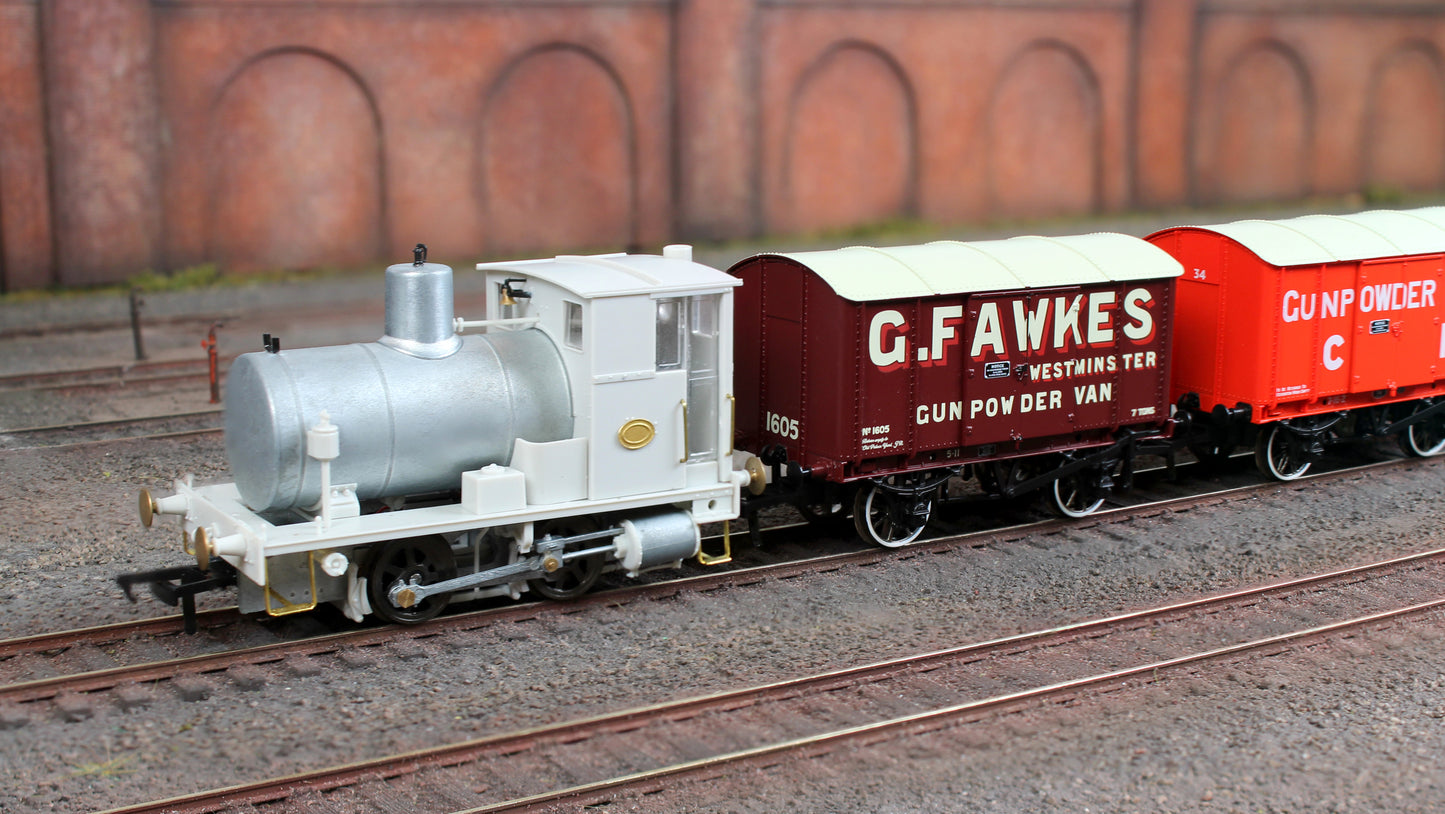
(987, 478)
(820, 512)
(429, 558)
(1279, 453)
(1210, 454)
(577, 576)
(1078, 495)
(1424, 438)
(996, 476)
(888, 518)
(822, 505)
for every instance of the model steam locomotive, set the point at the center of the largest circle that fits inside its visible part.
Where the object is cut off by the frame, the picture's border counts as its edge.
(608, 406)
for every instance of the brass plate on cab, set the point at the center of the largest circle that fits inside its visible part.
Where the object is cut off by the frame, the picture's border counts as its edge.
(636, 433)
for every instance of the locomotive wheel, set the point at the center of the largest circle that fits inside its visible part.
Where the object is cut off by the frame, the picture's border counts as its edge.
(1279, 453)
(1425, 438)
(575, 577)
(1077, 495)
(429, 558)
(890, 519)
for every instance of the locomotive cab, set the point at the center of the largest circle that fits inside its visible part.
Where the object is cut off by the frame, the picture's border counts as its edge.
(647, 346)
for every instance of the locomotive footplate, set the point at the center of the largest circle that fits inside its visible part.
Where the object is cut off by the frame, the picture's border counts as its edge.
(180, 584)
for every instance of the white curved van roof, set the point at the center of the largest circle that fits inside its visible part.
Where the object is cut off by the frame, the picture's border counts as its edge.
(865, 274)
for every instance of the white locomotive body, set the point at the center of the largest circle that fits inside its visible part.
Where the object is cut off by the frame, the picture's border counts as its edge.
(585, 425)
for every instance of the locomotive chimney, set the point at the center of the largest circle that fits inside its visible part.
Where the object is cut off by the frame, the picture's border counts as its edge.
(419, 308)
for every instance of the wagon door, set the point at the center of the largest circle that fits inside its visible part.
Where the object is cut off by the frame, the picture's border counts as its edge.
(1398, 335)
(1014, 382)
(1377, 359)
(780, 409)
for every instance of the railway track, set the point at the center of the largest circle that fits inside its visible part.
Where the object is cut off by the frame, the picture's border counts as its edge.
(110, 376)
(65, 666)
(81, 433)
(102, 635)
(602, 759)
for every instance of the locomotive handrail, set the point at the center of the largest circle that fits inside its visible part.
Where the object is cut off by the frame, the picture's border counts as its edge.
(460, 325)
(733, 425)
(683, 460)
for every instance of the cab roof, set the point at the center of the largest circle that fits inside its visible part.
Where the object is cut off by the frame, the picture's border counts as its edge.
(616, 275)
(865, 274)
(1316, 239)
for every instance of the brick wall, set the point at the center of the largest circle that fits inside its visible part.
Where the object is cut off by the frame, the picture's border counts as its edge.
(258, 134)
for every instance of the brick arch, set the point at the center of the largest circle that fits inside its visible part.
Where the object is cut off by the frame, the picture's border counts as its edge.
(1044, 146)
(296, 176)
(558, 153)
(1257, 141)
(850, 154)
(1403, 141)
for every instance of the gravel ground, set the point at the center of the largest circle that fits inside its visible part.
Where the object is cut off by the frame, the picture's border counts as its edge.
(1339, 727)
(1352, 725)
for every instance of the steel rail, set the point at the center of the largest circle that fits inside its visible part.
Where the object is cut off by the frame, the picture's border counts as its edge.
(81, 426)
(340, 776)
(155, 436)
(102, 375)
(108, 679)
(113, 632)
(606, 791)
(152, 380)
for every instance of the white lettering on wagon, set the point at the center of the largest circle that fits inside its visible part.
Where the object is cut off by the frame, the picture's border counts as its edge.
(1332, 359)
(888, 326)
(1002, 327)
(1373, 299)
(1016, 404)
(1035, 402)
(1084, 320)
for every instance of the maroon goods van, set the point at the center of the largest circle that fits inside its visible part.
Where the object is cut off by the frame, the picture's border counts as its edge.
(1028, 363)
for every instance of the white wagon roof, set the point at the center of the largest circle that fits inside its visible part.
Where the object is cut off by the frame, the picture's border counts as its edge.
(865, 274)
(615, 275)
(1316, 239)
